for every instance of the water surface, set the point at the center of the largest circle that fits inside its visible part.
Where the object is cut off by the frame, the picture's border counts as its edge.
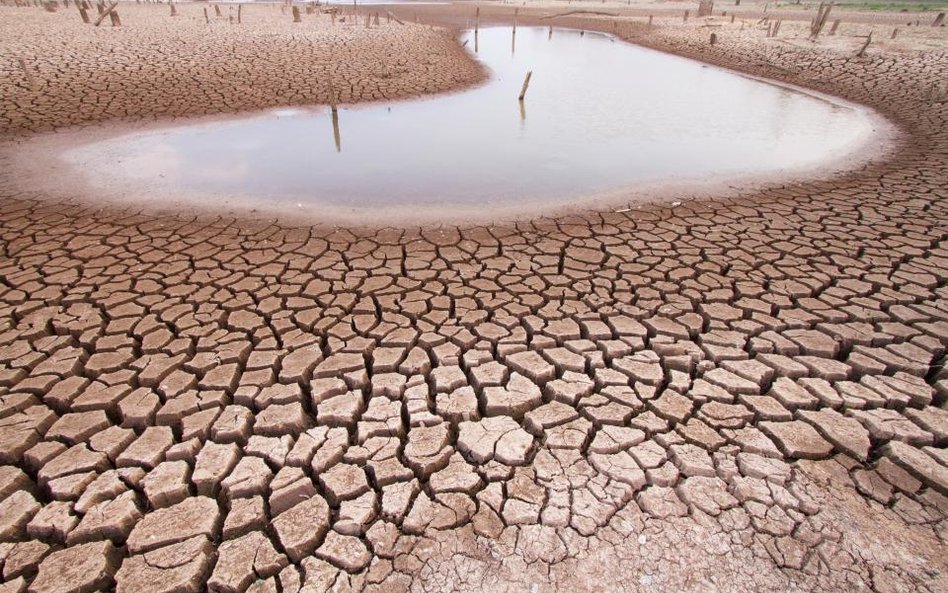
(598, 115)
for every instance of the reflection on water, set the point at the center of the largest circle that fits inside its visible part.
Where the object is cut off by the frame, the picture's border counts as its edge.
(602, 115)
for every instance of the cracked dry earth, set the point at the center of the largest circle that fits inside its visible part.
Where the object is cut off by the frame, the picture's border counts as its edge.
(739, 395)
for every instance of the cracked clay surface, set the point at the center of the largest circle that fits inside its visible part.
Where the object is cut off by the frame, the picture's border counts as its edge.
(740, 395)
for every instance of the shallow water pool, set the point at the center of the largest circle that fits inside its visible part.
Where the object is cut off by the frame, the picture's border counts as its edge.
(599, 115)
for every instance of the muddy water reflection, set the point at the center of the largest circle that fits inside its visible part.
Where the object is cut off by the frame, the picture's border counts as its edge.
(599, 115)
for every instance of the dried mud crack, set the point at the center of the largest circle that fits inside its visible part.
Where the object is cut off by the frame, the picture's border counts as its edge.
(737, 395)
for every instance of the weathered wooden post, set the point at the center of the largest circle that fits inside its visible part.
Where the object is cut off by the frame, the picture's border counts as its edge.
(83, 14)
(526, 84)
(105, 13)
(207, 21)
(686, 16)
(217, 10)
(239, 6)
(939, 20)
(819, 22)
(296, 15)
(714, 38)
(895, 33)
(114, 17)
(477, 18)
(30, 80)
(174, 11)
(862, 50)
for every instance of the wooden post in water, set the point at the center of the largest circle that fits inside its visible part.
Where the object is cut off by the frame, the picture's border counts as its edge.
(526, 84)
(337, 137)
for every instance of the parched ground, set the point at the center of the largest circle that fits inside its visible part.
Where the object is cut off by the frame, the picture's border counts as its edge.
(740, 395)
(158, 65)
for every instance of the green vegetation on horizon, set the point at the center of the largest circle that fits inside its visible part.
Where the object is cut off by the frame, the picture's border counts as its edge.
(893, 6)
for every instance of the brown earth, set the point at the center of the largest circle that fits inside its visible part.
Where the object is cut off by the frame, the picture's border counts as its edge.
(729, 395)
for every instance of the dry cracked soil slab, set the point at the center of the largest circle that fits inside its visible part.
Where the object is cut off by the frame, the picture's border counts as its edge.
(738, 395)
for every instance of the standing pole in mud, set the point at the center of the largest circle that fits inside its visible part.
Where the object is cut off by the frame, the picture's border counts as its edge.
(819, 22)
(105, 13)
(239, 6)
(477, 19)
(27, 74)
(526, 84)
(862, 50)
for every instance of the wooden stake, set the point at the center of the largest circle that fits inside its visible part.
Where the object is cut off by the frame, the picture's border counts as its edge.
(114, 17)
(835, 26)
(819, 22)
(895, 32)
(207, 21)
(105, 13)
(939, 20)
(239, 6)
(174, 11)
(30, 80)
(332, 97)
(83, 14)
(714, 38)
(296, 15)
(477, 18)
(526, 84)
(862, 50)
(217, 10)
(335, 130)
